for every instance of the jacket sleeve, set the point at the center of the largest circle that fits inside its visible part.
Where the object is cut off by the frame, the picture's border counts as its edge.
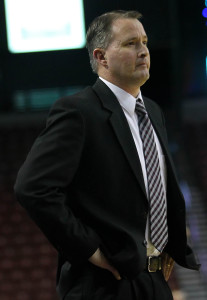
(44, 178)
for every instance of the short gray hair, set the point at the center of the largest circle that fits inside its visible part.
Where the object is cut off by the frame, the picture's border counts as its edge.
(99, 32)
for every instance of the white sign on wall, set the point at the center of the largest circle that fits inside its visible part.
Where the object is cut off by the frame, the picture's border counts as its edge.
(43, 25)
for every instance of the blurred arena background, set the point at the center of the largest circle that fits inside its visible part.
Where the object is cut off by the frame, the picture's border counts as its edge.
(43, 57)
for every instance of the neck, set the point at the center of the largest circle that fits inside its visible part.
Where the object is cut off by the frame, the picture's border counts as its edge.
(132, 90)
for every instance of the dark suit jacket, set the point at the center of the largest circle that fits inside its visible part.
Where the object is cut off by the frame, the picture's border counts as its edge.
(82, 184)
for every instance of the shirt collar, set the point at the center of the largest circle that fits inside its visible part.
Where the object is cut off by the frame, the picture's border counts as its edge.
(126, 100)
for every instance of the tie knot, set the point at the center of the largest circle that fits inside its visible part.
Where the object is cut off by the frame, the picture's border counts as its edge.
(139, 107)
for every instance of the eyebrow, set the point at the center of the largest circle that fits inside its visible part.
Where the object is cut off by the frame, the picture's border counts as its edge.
(144, 37)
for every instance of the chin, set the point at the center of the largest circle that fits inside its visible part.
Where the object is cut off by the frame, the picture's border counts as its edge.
(144, 79)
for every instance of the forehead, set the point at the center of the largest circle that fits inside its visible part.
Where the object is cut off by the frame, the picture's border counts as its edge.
(123, 28)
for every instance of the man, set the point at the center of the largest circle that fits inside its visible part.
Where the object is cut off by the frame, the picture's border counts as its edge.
(97, 171)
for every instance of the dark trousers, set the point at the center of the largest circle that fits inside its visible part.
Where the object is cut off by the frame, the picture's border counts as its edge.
(99, 284)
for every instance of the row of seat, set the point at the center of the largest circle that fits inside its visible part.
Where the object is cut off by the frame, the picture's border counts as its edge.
(27, 260)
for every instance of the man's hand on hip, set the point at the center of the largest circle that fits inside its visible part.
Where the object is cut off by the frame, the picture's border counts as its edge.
(99, 260)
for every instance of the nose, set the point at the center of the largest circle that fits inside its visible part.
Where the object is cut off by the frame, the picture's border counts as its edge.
(143, 51)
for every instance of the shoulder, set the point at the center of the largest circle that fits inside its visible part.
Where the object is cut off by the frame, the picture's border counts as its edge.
(79, 107)
(76, 100)
(81, 102)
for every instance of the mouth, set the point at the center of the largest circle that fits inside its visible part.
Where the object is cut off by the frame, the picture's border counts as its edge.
(142, 65)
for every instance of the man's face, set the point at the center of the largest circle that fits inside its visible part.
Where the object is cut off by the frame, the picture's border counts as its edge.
(127, 55)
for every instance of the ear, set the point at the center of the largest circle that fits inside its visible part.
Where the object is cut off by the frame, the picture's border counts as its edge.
(100, 56)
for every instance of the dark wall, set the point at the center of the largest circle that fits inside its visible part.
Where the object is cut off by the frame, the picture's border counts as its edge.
(175, 30)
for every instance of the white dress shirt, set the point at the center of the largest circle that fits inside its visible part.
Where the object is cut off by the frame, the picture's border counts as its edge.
(128, 102)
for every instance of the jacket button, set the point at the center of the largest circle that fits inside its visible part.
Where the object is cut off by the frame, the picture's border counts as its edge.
(144, 243)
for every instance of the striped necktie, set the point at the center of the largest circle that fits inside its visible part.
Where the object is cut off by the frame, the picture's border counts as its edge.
(157, 210)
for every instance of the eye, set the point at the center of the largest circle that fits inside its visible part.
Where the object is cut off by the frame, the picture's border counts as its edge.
(145, 43)
(131, 43)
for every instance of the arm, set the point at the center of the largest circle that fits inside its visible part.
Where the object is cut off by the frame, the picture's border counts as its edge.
(44, 178)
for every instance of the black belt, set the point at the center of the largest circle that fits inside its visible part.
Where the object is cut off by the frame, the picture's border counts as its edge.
(154, 263)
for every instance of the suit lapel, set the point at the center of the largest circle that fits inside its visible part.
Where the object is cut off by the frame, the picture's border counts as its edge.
(121, 129)
(158, 126)
(161, 133)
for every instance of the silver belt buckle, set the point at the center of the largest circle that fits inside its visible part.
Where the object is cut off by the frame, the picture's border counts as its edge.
(154, 263)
